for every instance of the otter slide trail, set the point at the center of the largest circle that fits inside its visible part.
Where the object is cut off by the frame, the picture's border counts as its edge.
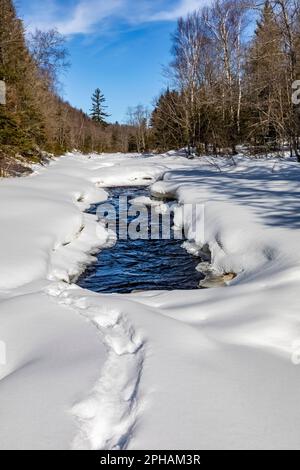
(206, 368)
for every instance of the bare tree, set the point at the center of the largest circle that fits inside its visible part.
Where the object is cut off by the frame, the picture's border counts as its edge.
(226, 21)
(138, 118)
(48, 49)
(188, 46)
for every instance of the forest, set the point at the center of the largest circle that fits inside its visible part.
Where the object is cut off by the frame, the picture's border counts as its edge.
(35, 120)
(234, 71)
(230, 85)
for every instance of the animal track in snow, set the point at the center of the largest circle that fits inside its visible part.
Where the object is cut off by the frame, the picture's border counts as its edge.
(107, 416)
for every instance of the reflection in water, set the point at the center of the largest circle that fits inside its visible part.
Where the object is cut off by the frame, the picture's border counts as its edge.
(139, 265)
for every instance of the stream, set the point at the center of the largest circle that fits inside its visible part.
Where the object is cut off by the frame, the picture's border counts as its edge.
(143, 264)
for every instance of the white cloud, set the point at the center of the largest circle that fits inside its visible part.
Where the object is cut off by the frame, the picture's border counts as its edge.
(182, 9)
(90, 16)
(88, 13)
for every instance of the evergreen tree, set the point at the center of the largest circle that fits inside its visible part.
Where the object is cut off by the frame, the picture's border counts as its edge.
(166, 122)
(21, 111)
(264, 77)
(34, 117)
(98, 113)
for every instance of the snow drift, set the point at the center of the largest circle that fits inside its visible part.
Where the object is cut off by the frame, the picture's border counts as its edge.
(210, 368)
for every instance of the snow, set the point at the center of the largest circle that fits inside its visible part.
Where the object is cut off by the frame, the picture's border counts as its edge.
(212, 368)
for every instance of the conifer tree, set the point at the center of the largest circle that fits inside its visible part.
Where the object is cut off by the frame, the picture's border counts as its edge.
(166, 122)
(98, 113)
(21, 111)
(264, 77)
(34, 118)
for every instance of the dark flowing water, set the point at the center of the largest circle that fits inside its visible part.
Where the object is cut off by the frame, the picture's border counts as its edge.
(140, 265)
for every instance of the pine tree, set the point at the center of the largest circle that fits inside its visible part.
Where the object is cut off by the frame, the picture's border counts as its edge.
(97, 112)
(264, 77)
(166, 122)
(34, 117)
(18, 70)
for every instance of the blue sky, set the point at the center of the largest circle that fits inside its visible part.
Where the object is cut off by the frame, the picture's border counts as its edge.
(116, 45)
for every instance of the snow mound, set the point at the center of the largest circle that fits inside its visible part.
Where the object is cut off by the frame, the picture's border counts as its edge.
(210, 368)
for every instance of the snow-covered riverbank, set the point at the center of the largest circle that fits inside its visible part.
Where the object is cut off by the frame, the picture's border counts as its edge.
(206, 369)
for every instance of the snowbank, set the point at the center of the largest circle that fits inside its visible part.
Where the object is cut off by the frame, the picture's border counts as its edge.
(209, 368)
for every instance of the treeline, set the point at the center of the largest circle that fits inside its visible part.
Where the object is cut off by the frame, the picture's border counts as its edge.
(35, 118)
(232, 84)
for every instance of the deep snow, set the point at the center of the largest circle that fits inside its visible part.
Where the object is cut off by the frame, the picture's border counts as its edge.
(203, 369)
